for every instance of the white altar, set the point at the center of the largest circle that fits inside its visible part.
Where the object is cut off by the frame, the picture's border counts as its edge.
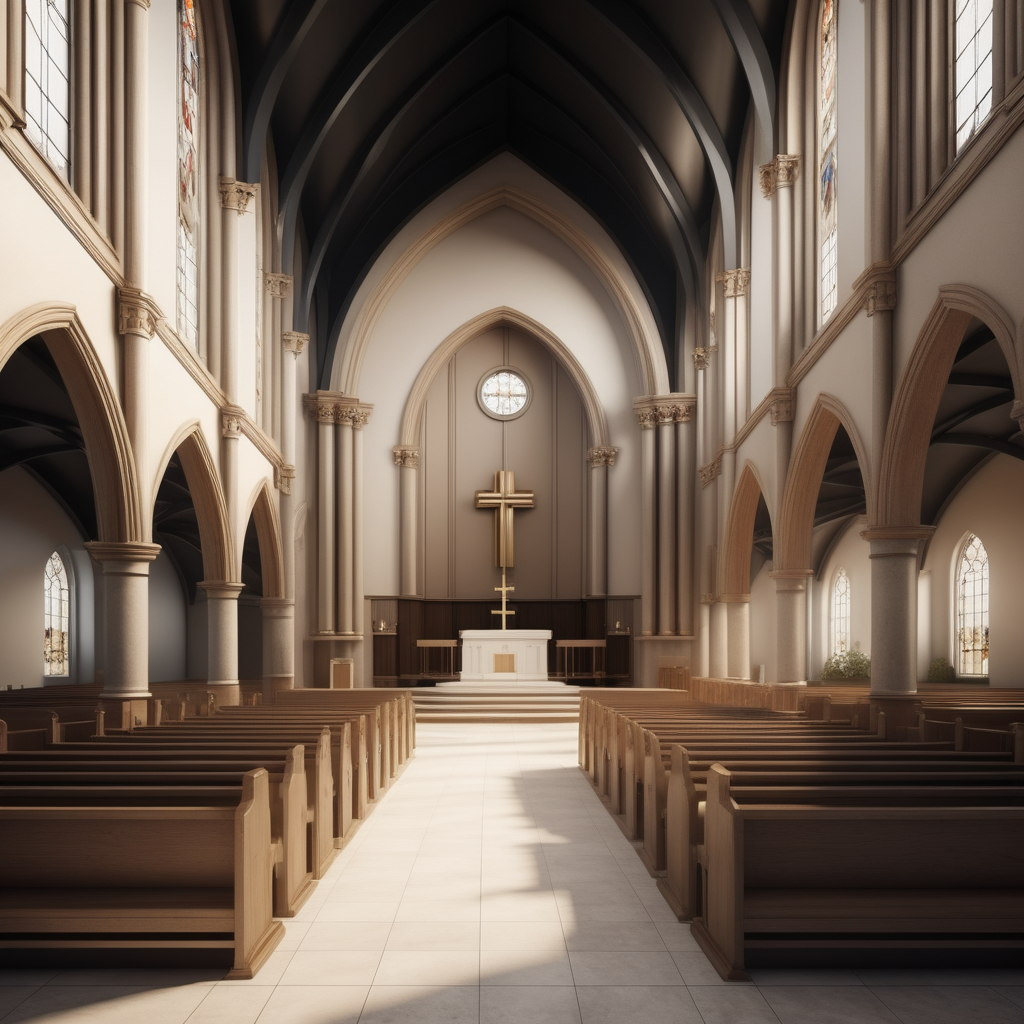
(505, 655)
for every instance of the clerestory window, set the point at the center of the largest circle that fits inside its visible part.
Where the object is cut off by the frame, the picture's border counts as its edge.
(48, 80)
(56, 616)
(972, 66)
(828, 136)
(188, 173)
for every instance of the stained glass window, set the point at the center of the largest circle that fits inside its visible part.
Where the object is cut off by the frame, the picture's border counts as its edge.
(504, 393)
(972, 608)
(973, 64)
(839, 613)
(827, 149)
(56, 611)
(47, 80)
(188, 170)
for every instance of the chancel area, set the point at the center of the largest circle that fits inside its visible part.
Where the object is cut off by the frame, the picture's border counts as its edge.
(511, 511)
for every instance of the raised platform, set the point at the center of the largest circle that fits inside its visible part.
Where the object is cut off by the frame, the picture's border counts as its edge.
(550, 701)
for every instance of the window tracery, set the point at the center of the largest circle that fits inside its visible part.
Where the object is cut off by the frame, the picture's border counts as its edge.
(828, 52)
(48, 80)
(972, 592)
(973, 67)
(839, 613)
(56, 614)
(188, 170)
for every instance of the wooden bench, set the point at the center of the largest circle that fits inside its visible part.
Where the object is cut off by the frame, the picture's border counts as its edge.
(145, 874)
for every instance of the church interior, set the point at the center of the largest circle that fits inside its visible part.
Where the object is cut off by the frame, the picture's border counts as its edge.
(503, 510)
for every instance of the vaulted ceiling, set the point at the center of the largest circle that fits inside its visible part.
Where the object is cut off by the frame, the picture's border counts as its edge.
(374, 107)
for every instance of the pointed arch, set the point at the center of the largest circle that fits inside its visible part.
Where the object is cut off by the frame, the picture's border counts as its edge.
(111, 462)
(920, 390)
(263, 511)
(796, 521)
(207, 497)
(412, 416)
(739, 533)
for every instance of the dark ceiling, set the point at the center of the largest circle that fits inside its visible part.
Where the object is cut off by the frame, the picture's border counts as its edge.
(636, 110)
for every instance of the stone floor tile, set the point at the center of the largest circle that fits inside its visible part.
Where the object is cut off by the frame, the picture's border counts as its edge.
(232, 1006)
(410, 1004)
(332, 967)
(524, 1004)
(613, 936)
(12, 995)
(539, 935)
(314, 1004)
(435, 935)
(624, 969)
(524, 967)
(732, 1004)
(808, 1004)
(340, 935)
(108, 1004)
(655, 1004)
(950, 1005)
(358, 912)
(421, 967)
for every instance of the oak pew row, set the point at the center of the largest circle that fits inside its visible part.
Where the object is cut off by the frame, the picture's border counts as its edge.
(301, 800)
(169, 868)
(807, 869)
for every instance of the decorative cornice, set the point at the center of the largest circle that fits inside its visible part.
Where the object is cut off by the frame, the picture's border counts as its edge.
(659, 410)
(736, 281)
(780, 172)
(783, 405)
(283, 477)
(710, 470)
(294, 342)
(406, 456)
(137, 312)
(231, 419)
(236, 195)
(602, 455)
(702, 358)
(278, 285)
(877, 286)
(336, 407)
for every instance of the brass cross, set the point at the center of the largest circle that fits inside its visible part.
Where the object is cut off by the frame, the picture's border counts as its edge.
(505, 612)
(504, 499)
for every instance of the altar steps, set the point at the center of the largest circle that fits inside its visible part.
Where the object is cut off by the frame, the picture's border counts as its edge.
(521, 703)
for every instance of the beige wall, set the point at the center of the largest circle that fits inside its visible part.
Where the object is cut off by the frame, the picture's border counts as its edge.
(463, 447)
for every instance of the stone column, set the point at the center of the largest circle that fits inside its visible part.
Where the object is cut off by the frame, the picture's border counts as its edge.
(705, 527)
(125, 568)
(222, 639)
(344, 550)
(686, 480)
(235, 197)
(791, 624)
(360, 418)
(598, 461)
(718, 655)
(737, 614)
(323, 413)
(293, 343)
(648, 512)
(16, 53)
(407, 458)
(278, 645)
(666, 524)
(894, 552)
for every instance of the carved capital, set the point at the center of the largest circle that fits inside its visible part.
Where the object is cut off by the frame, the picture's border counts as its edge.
(736, 281)
(283, 477)
(236, 195)
(878, 287)
(231, 420)
(781, 172)
(279, 285)
(407, 456)
(658, 410)
(701, 358)
(136, 312)
(355, 415)
(710, 470)
(783, 405)
(602, 455)
(337, 407)
(294, 342)
(707, 599)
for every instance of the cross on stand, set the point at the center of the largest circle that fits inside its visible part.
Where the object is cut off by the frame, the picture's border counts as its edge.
(504, 613)
(504, 499)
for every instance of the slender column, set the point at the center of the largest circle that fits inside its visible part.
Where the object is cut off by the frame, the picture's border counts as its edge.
(599, 459)
(924, 621)
(666, 526)
(231, 436)
(117, 128)
(359, 420)
(407, 458)
(737, 613)
(235, 197)
(325, 517)
(344, 549)
(791, 624)
(719, 646)
(938, 85)
(125, 568)
(278, 645)
(222, 637)
(648, 571)
(292, 344)
(705, 514)
(894, 608)
(685, 486)
(16, 53)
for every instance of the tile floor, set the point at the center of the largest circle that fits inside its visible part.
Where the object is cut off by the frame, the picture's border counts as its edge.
(492, 886)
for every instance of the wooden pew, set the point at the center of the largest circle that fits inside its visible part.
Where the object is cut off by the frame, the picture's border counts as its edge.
(797, 868)
(143, 874)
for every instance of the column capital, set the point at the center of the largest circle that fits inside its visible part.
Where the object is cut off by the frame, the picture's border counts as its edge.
(702, 357)
(877, 288)
(736, 281)
(280, 607)
(602, 455)
(791, 579)
(236, 195)
(294, 342)
(778, 173)
(104, 551)
(144, 4)
(283, 477)
(231, 420)
(279, 285)
(660, 410)
(137, 312)
(221, 589)
(783, 405)
(337, 407)
(407, 456)
(710, 470)
(897, 533)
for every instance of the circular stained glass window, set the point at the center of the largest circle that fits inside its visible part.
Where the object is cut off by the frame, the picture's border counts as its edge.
(504, 394)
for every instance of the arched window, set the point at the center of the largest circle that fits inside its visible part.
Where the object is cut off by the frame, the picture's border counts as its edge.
(56, 612)
(188, 171)
(973, 67)
(839, 613)
(972, 608)
(828, 52)
(48, 80)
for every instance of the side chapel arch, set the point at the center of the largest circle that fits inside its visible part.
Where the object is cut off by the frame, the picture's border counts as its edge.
(739, 534)
(262, 509)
